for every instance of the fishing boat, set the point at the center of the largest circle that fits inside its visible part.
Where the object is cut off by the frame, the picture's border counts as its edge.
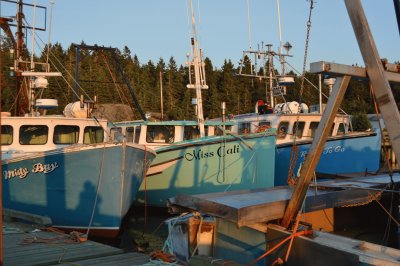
(189, 164)
(64, 166)
(200, 156)
(346, 151)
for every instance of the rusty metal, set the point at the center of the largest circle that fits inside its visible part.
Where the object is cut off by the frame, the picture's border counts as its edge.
(5, 26)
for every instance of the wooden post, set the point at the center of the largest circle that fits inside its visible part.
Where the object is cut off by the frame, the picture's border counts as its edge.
(315, 150)
(384, 96)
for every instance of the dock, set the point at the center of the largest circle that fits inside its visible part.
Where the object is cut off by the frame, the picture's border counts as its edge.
(23, 244)
(248, 207)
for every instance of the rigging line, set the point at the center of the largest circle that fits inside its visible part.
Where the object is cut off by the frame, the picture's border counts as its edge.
(48, 40)
(62, 67)
(280, 32)
(98, 190)
(33, 35)
(384, 209)
(118, 88)
(382, 137)
(312, 84)
(189, 26)
(248, 23)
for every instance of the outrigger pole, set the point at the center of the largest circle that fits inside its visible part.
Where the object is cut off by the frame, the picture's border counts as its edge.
(119, 68)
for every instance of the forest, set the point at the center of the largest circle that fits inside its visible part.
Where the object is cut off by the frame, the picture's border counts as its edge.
(99, 76)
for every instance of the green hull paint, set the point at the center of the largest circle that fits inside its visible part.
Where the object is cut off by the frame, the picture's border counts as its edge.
(198, 166)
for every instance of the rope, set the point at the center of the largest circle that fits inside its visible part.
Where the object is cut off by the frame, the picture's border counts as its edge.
(386, 153)
(248, 27)
(48, 40)
(296, 226)
(98, 189)
(145, 187)
(33, 35)
(294, 234)
(73, 237)
(163, 256)
(118, 88)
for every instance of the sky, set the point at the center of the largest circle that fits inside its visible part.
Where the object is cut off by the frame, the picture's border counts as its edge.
(154, 29)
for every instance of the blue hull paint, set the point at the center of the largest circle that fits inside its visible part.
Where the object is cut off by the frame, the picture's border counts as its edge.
(196, 167)
(348, 155)
(67, 192)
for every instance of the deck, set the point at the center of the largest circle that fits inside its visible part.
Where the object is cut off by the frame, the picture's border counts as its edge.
(21, 247)
(249, 207)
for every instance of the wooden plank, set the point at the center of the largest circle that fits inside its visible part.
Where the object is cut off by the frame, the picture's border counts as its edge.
(51, 252)
(115, 260)
(329, 249)
(380, 84)
(263, 205)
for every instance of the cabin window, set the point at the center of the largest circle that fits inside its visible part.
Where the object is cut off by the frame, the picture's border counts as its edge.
(218, 130)
(160, 134)
(130, 134)
(263, 125)
(191, 132)
(33, 134)
(341, 129)
(6, 135)
(92, 135)
(244, 128)
(282, 129)
(116, 134)
(313, 129)
(298, 128)
(137, 134)
(65, 134)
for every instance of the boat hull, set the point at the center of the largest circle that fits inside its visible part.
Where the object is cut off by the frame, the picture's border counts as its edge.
(352, 154)
(70, 185)
(200, 166)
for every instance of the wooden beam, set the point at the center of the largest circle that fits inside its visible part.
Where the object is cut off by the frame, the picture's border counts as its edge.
(375, 71)
(335, 69)
(316, 148)
(249, 207)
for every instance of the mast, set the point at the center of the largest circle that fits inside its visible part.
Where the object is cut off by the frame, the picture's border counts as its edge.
(20, 42)
(199, 74)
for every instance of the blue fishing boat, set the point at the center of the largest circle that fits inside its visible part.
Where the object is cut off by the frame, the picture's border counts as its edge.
(63, 166)
(346, 151)
(83, 187)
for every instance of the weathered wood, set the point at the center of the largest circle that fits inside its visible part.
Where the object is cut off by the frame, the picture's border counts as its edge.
(257, 206)
(328, 249)
(383, 92)
(312, 158)
(56, 250)
(115, 260)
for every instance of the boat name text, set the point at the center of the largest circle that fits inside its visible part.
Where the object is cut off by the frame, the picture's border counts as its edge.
(22, 172)
(328, 150)
(220, 152)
